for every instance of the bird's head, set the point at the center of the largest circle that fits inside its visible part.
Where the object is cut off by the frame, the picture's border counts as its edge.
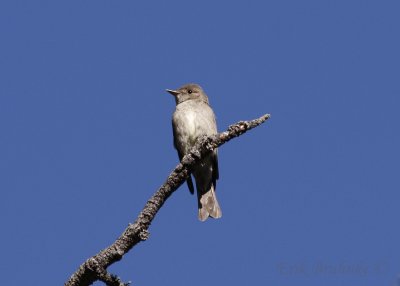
(187, 92)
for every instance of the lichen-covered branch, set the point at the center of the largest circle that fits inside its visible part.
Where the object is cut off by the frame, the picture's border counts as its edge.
(95, 268)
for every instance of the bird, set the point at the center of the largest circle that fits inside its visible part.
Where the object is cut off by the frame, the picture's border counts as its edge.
(193, 118)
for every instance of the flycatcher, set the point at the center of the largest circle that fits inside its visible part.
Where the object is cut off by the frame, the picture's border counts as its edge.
(193, 117)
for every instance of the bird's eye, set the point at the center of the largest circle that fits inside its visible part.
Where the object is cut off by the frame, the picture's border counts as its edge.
(190, 91)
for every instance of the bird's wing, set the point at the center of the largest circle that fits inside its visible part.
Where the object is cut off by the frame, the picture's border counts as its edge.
(215, 171)
(190, 184)
(189, 179)
(214, 156)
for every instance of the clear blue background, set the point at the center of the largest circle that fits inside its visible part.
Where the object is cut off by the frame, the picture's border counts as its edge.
(309, 198)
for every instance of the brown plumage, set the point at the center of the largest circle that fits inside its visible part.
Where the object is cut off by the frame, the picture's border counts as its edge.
(193, 117)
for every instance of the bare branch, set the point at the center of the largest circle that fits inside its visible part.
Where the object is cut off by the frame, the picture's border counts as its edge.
(95, 267)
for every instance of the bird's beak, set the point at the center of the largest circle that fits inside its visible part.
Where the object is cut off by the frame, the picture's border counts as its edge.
(173, 92)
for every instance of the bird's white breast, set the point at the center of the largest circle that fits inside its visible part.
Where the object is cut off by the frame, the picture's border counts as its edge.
(190, 120)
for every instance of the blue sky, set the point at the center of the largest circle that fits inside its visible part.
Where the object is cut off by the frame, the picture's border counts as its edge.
(309, 198)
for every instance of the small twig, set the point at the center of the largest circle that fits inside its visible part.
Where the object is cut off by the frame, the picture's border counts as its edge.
(95, 267)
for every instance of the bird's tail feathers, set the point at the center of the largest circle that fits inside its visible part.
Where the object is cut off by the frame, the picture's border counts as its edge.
(208, 205)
